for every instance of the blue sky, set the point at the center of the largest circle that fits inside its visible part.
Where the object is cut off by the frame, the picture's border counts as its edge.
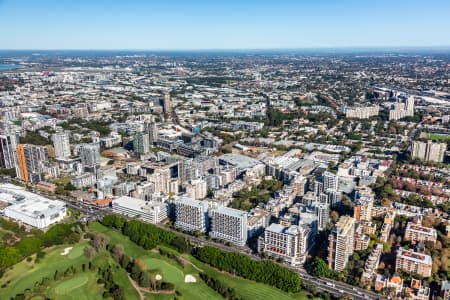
(216, 24)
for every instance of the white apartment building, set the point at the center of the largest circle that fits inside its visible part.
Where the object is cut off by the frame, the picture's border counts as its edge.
(61, 144)
(191, 215)
(197, 189)
(402, 110)
(362, 112)
(289, 243)
(229, 224)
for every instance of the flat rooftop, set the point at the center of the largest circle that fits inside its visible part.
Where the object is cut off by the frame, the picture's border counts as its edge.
(414, 256)
(28, 203)
(137, 204)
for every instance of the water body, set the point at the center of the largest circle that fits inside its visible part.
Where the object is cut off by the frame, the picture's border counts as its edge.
(8, 67)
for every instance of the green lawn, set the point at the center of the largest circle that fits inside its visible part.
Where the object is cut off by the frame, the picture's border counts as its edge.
(120, 276)
(438, 137)
(175, 274)
(24, 274)
(246, 288)
(171, 271)
(81, 286)
(116, 237)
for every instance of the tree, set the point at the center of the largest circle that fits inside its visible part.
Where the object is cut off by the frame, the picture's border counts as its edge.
(334, 216)
(117, 252)
(320, 268)
(89, 252)
(8, 257)
(100, 241)
(386, 202)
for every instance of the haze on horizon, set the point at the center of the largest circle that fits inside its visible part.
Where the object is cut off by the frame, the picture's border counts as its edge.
(180, 25)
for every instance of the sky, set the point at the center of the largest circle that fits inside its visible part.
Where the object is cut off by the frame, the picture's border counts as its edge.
(217, 24)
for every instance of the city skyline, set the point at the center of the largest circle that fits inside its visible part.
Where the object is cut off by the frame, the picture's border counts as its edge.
(201, 25)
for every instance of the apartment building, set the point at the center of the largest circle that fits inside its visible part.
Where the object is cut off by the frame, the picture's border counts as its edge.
(428, 151)
(229, 224)
(413, 262)
(191, 215)
(362, 112)
(341, 243)
(8, 144)
(289, 243)
(30, 160)
(419, 233)
(61, 144)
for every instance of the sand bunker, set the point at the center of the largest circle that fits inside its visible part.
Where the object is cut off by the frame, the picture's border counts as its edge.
(158, 277)
(66, 250)
(189, 278)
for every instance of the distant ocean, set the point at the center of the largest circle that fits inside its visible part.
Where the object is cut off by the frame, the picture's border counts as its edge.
(8, 67)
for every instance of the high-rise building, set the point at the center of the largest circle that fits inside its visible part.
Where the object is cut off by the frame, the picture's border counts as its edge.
(30, 159)
(402, 110)
(167, 104)
(191, 215)
(322, 212)
(152, 129)
(61, 144)
(330, 181)
(89, 154)
(341, 243)
(8, 144)
(141, 143)
(229, 224)
(428, 151)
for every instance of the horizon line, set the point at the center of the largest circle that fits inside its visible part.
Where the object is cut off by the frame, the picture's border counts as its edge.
(398, 47)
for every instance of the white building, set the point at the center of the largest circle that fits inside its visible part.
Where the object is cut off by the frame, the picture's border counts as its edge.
(362, 112)
(148, 211)
(289, 243)
(402, 110)
(229, 224)
(191, 215)
(197, 189)
(30, 208)
(61, 144)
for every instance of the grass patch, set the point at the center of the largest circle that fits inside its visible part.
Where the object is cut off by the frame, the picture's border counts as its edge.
(81, 286)
(24, 274)
(69, 285)
(438, 137)
(118, 238)
(76, 252)
(174, 273)
(248, 289)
